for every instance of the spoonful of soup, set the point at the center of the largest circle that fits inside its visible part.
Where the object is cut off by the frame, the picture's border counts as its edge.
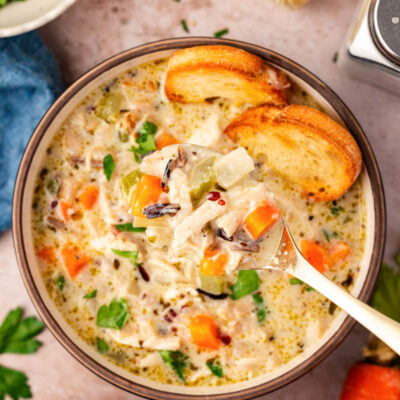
(218, 215)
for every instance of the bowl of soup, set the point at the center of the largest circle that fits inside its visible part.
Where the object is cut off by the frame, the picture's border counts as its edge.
(134, 209)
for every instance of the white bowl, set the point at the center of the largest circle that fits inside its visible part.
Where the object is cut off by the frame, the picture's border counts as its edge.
(23, 16)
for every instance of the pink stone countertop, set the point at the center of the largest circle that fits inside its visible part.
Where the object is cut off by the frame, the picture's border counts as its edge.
(93, 30)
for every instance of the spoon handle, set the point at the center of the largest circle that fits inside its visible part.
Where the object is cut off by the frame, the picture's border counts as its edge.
(381, 326)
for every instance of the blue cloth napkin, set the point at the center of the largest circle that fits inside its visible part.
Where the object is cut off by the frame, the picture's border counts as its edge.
(29, 83)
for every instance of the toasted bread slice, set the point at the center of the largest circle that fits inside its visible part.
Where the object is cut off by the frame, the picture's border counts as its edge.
(196, 74)
(303, 145)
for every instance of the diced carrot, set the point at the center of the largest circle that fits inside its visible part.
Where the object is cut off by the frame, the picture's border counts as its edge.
(73, 260)
(46, 253)
(146, 192)
(260, 219)
(371, 382)
(315, 255)
(165, 139)
(64, 208)
(213, 263)
(338, 252)
(89, 196)
(204, 332)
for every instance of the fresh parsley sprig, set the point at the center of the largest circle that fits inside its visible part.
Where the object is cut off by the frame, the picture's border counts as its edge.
(176, 360)
(145, 141)
(17, 336)
(386, 296)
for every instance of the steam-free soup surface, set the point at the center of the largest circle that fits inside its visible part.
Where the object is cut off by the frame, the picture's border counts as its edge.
(154, 304)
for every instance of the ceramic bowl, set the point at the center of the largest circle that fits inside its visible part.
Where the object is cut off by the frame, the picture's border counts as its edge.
(30, 164)
(23, 16)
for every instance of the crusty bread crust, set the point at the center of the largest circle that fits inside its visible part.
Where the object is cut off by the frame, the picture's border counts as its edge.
(303, 145)
(196, 74)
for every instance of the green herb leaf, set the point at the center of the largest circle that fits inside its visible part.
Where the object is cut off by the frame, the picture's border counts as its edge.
(113, 316)
(295, 281)
(246, 283)
(335, 57)
(176, 360)
(261, 310)
(398, 259)
(130, 255)
(329, 235)
(146, 144)
(108, 166)
(336, 210)
(386, 296)
(14, 383)
(215, 369)
(16, 336)
(53, 186)
(221, 33)
(60, 282)
(91, 294)
(184, 25)
(129, 228)
(102, 346)
(310, 289)
(148, 128)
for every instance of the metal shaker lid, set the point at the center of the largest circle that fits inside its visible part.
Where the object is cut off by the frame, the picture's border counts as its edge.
(384, 19)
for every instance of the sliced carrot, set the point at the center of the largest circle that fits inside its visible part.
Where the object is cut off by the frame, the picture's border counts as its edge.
(89, 196)
(338, 252)
(64, 208)
(371, 382)
(73, 260)
(260, 219)
(146, 192)
(46, 253)
(315, 255)
(165, 139)
(213, 263)
(204, 332)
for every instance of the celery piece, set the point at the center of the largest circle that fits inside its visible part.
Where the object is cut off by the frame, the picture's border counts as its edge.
(202, 178)
(109, 106)
(127, 181)
(212, 284)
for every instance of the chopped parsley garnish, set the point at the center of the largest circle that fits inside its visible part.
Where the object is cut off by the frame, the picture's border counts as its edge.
(336, 210)
(261, 310)
(60, 282)
(148, 128)
(130, 255)
(296, 281)
(221, 33)
(176, 360)
(386, 296)
(102, 346)
(91, 294)
(184, 25)
(328, 235)
(129, 228)
(108, 166)
(113, 316)
(246, 283)
(215, 369)
(335, 57)
(145, 140)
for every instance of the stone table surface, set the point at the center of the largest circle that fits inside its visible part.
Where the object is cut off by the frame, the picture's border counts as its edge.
(92, 30)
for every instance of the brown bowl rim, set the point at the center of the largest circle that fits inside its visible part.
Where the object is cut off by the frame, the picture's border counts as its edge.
(270, 56)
